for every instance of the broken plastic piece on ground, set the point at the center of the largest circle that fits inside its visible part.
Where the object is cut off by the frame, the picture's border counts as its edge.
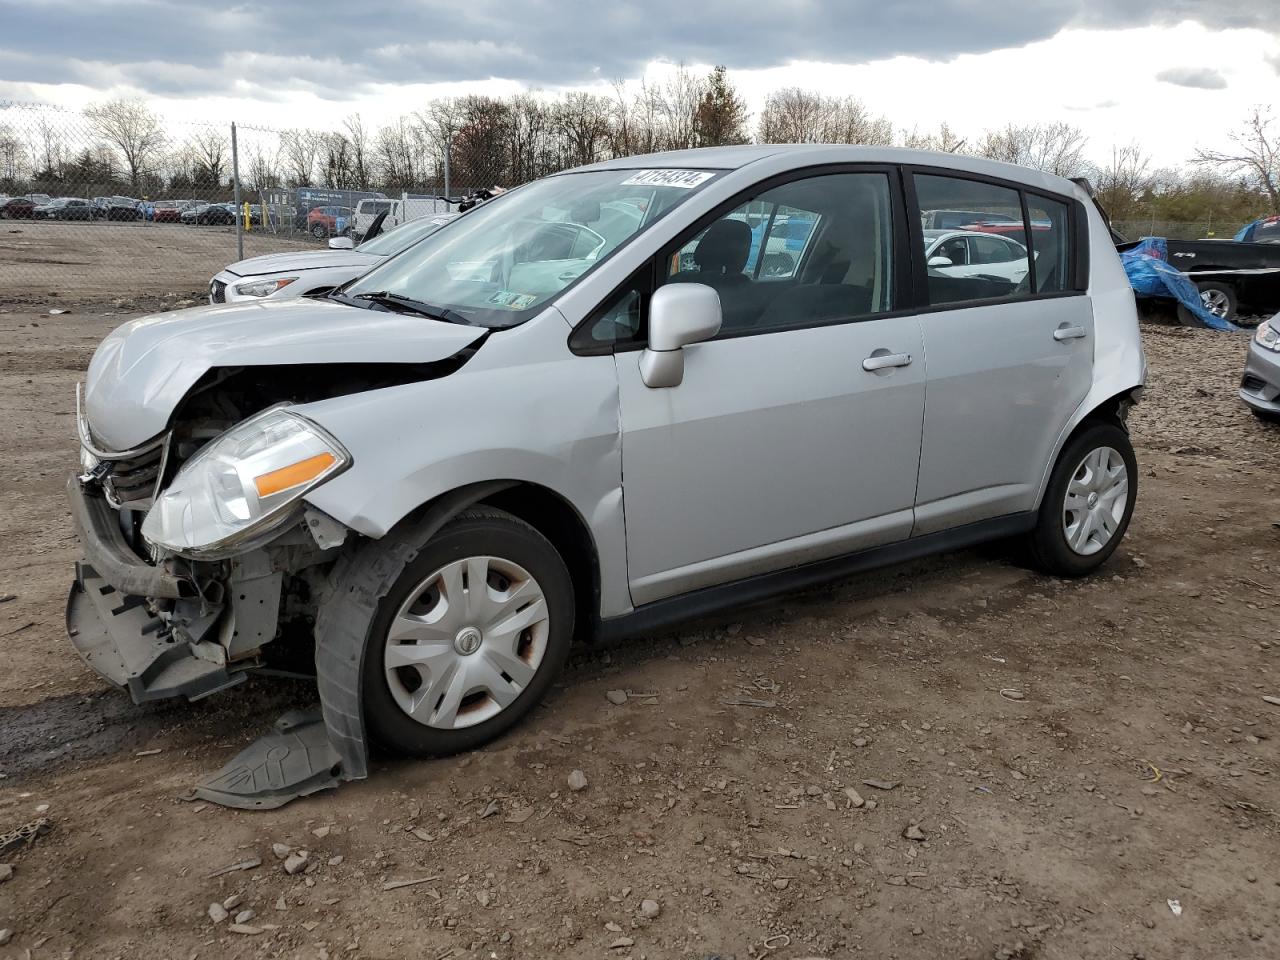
(25, 835)
(294, 760)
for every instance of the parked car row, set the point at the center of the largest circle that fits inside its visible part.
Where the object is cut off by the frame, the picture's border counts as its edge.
(44, 207)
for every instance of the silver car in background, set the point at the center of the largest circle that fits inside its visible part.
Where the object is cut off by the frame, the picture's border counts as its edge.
(283, 276)
(587, 409)
(1260, 384)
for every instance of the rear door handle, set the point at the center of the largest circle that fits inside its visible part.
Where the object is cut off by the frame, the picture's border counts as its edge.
(1069, 333)
(884, 360)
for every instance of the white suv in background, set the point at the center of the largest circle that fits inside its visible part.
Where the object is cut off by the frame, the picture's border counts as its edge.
(397, 212)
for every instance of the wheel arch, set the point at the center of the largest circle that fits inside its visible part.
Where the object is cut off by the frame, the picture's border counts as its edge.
(1114, 409)
(551, 514)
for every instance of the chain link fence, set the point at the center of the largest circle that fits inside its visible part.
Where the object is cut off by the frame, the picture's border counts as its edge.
(116, 202)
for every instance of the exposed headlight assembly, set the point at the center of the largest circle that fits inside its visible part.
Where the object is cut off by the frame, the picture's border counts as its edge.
(1268, 336)
(263, 288)
(243, 486)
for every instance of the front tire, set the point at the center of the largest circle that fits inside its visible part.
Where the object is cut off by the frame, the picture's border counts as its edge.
(469, 631)
(1088, 503)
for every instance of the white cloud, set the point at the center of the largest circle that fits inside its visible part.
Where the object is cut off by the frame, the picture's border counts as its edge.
(1105, 81)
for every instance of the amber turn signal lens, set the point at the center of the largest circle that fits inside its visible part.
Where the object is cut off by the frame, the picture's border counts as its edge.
(293, 475)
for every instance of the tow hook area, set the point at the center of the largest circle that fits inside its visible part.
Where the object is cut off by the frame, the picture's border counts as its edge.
(295, 760)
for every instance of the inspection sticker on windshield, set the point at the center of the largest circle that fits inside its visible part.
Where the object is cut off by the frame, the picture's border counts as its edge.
(684, 179)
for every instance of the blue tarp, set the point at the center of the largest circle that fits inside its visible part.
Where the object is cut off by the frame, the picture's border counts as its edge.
(1151, 275)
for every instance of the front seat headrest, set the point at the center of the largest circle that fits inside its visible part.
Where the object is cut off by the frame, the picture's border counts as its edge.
(724, 248)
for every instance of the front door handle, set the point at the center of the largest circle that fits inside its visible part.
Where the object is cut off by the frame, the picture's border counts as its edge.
(1069, 333)
(880, 361)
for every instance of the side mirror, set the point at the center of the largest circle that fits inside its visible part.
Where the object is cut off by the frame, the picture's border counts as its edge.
(341, 243)
(680, 314)
(940, 262)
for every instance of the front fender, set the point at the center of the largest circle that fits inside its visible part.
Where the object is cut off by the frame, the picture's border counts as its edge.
(524, 410)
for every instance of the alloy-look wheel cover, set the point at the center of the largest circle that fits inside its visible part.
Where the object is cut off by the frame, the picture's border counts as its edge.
(1096, 500)
(466, 642)
(1216, 302)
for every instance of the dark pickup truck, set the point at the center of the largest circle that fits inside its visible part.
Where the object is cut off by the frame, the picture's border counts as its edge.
(1236, 280)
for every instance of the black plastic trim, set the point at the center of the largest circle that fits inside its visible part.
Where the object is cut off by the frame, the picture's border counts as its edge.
(660, 614)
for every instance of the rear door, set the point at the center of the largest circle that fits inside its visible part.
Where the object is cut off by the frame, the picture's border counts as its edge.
(1009, 355)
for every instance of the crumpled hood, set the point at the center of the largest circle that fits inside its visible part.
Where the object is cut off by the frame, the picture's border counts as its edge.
(295, 260)
(144, 368)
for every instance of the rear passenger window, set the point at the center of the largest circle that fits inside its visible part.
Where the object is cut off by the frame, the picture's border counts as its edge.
(998, 263)
(808, 252)
(1049, 244)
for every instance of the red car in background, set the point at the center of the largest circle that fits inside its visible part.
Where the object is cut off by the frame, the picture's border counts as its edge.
(16, 208)
(323, 221)
(170, 211)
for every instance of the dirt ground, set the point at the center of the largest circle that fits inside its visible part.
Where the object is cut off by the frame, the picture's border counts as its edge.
(52, 261)
(1125, 807)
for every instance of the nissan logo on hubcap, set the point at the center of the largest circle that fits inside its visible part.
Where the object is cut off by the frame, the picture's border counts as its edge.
(467, 641)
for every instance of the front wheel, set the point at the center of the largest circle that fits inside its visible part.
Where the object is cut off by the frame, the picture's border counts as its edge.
(1088, 503)
(319, 232)
(469, 632)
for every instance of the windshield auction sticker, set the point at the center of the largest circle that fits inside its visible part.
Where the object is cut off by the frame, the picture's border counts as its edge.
(684, 179)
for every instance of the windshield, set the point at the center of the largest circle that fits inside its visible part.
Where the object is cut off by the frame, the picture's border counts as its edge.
(503, 261)
(403, 237)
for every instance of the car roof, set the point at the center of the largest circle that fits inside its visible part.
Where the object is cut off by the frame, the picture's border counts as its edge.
(800, 155)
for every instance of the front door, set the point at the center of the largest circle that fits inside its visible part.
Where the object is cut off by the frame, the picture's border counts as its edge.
(795, 434)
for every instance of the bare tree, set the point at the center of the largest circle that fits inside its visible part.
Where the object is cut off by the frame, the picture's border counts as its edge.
(209, 148)
(530, 138)
(793, 115)
(944, 139)
(677, 102)
(12, 156)
(299, 150)
(582, 120)
(262, 167)
(131, 127)
(1254, 152)
(1124, 181)
(1056, 148)
(401, 153)
(358, 138)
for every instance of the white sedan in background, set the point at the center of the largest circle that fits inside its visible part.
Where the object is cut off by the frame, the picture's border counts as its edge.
(969, 253)
(282, 276)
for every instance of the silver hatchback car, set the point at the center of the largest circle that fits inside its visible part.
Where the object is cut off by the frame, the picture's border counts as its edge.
(603, 402)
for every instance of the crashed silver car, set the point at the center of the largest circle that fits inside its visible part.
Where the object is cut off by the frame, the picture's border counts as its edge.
(588, 409)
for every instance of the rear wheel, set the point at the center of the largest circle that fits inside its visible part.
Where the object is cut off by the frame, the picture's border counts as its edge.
(469, 636)
(319, 232)
(1088, 503)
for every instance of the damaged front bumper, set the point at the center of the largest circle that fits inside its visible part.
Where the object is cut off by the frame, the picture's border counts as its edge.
(178, 630)
(143, 628)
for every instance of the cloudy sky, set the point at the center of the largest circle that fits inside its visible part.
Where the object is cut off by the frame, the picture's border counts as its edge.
(1168, 74)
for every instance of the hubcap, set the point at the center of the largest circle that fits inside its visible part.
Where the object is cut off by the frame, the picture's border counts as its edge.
(1216, 302)
(1096, 500)
(466, 642)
